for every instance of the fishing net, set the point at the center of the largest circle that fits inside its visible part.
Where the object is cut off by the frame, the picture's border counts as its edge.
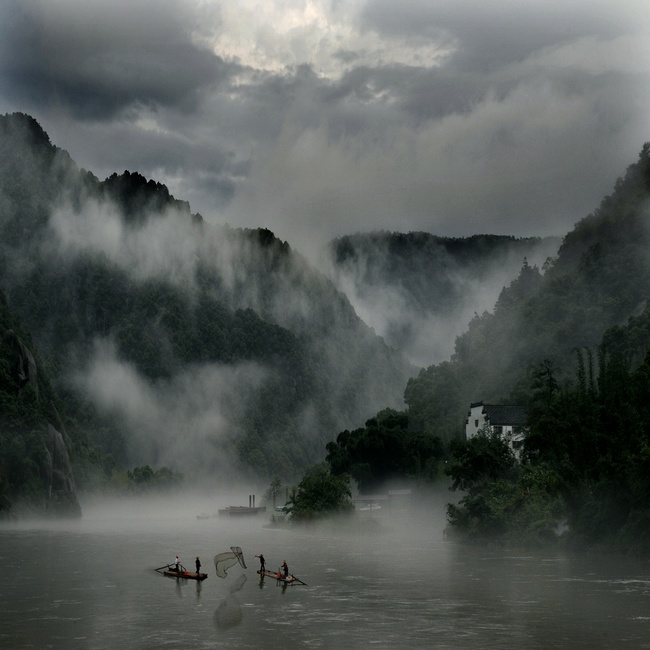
(223, 561)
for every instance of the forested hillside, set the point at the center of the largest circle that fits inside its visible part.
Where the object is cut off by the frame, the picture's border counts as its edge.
(135, 333)
(571, 344)
(599, 278)
(172, 341)
(420, 290)
(35, 444)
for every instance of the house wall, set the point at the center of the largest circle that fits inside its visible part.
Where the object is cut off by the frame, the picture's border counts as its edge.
(475, 421)
(514, 436)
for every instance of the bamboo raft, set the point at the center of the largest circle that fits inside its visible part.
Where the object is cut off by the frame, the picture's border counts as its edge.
(171, 572)
(288, 580)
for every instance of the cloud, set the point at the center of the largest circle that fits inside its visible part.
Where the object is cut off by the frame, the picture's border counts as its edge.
(186, 423)
(165, 247)
(520, 164)
(99, 60)
(425, 329)
(316, 118)
(276, 35)
(489, 36)
(319, 118)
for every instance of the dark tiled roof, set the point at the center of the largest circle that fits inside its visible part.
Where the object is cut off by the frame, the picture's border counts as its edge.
(501, 415)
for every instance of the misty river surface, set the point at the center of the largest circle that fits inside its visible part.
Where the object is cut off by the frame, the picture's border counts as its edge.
(91, 584)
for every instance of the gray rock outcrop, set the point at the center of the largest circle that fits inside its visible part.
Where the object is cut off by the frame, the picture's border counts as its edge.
(23, 366)
(58, 478)
(62, 494)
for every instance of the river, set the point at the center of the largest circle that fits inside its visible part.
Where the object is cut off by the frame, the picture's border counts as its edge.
(395, 583)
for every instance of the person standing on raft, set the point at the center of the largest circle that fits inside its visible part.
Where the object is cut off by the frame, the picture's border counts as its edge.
(262, 562)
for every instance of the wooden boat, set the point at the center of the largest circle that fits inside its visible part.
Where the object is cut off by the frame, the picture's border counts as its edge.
(170, 572)
(288, 580)
(188, 575)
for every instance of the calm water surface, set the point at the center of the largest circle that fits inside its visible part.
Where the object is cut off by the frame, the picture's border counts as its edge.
(92, 584)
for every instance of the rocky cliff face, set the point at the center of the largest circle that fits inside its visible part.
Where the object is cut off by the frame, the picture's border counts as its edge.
(59, 485)
(23, 366)
(61, 491)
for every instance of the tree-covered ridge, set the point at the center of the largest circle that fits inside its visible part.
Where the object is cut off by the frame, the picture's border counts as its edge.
(411, 283)
(600, 277)
(583, 479)
(586, 461)
(139, 198)
(424, 263)
(172, 296)
(385, 450)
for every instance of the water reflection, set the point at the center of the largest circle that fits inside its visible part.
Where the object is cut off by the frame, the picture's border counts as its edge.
(229, 613)
(399, 587)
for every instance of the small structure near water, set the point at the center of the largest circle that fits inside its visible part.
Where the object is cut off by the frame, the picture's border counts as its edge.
(509, 422)
(239, 511)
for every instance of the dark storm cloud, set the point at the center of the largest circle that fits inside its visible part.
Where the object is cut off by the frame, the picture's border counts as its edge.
(491, 43)
(97, 60)
(421, 93)
(491, 35)
(320, 118)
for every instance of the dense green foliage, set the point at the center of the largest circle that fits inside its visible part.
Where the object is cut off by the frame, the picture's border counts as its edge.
(385, 451)
(320, 494)
(586, 459)
(146, 480)
(23, 423)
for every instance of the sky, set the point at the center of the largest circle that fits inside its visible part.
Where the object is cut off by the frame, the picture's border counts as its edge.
(320, 118)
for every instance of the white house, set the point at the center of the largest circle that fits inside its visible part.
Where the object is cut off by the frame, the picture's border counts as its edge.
(510, 422)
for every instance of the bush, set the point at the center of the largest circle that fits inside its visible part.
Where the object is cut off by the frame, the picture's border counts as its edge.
(321, 493)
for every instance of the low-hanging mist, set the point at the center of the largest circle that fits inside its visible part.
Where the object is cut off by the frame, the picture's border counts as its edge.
(419, 291)
(171, 328)
(189, 421)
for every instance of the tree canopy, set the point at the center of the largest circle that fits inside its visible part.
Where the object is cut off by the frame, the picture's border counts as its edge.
(385, 450)
(319, 494)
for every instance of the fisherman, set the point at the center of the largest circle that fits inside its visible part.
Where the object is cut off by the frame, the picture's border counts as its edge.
(177, 564)
(285, 568)
(198, 565)
(262, 562)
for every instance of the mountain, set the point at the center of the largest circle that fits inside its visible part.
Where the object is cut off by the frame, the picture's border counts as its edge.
(161, 339)
(420, 290)
(599, 280)
(214, 350)
(35, 465)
